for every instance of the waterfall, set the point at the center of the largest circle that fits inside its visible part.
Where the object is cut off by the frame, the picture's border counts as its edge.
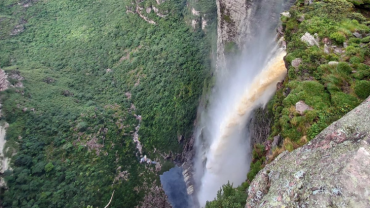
(223, 149)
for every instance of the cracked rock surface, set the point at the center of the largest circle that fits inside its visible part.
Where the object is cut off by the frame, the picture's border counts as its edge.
(332, 170)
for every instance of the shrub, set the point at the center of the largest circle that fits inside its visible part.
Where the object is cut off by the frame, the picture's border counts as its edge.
(338, 37)
(352, 51)
(82, 126)
(344, 101)
(357, 16)
(366, 39)
(354, 40)
(363, 67)
(334, 9)
(355, 60)
(332, 88)
(292, 73)
(343, 67)
(362, 89)
(228, 196)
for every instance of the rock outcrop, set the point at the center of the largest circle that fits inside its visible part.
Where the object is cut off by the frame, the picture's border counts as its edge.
(309, 39)
(332, 170)
(232, 17)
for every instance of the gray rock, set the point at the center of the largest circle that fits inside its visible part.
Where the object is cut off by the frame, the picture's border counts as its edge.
(345, 45)
(357, 35)
(332, 170)
(301, 107)
(331, 63)
(326, 49)
(309, 39)
(276, 141)
(317, 38)
(296, 62)
(235, 29)
(301, 18)
(338, 50)
(4, 83)
(307, 2)
(285, 14)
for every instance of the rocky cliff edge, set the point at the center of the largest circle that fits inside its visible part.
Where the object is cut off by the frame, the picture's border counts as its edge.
(332, 170)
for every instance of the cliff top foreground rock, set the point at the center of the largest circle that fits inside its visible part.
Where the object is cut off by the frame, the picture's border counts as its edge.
(332, 170)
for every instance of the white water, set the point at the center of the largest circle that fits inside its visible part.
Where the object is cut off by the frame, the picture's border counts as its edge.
(223, 151)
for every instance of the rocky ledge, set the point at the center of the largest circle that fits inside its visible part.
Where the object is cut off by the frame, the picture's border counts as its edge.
(332, 170)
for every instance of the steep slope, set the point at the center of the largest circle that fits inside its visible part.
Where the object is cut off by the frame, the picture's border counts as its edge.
(98, 79)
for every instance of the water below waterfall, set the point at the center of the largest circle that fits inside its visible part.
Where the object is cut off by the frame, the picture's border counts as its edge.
(175, 188)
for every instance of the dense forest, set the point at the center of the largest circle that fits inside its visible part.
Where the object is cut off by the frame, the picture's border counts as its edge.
(88, 76)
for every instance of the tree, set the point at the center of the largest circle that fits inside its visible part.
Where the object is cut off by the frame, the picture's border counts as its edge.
(49, 167)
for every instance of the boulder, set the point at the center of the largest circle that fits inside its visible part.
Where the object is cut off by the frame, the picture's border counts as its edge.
(345, 44)
(301, 18)
(332, 63)
(276, 141)
(326, 49)
(357, 35)
(285, 14)
(332, 170)
(338, 50)
(301, 107)
(309, 39)
(296, 62)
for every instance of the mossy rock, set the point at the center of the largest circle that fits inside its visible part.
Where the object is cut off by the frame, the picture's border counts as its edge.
(362, 89)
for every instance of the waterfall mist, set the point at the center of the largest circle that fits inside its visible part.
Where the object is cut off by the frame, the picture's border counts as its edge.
(223, 149)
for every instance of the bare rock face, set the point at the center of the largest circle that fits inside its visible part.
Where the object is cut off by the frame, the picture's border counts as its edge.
(4, 83)
(332, 170)
(232, 16)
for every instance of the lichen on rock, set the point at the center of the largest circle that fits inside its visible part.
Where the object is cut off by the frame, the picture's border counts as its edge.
(332, 170)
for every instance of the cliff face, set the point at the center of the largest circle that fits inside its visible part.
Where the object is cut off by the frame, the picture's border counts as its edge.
(330, 171)
(232, 26)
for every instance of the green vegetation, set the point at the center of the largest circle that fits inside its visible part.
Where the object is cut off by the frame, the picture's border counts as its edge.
(362, 89)
(329, 89)
(84, 64)
(228, 196)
